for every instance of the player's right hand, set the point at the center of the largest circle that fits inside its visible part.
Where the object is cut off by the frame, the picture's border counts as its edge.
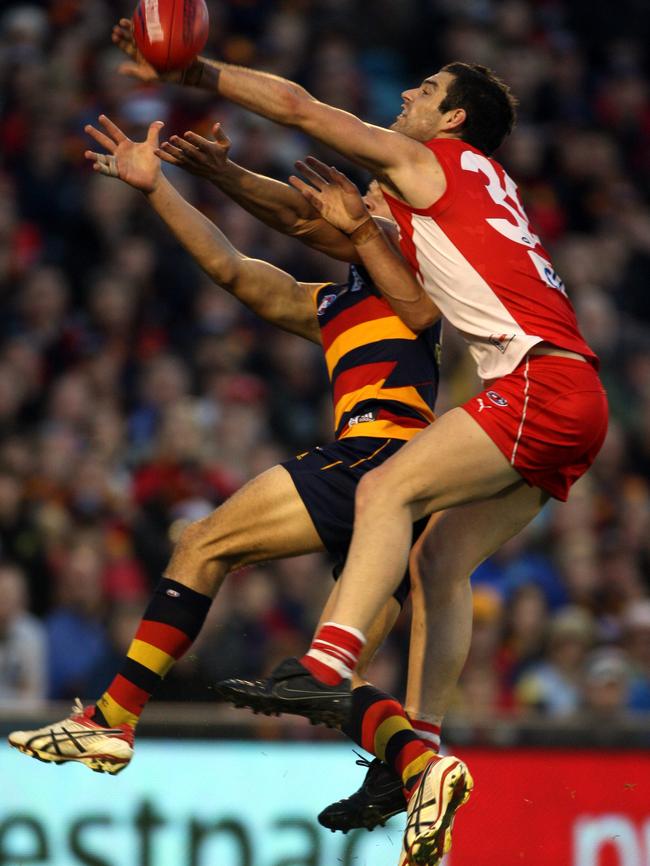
(134, 162)
(197, 154)
(137, 66)
(333, 194)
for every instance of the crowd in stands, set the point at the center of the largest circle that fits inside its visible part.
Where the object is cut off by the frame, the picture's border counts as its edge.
(135, 395)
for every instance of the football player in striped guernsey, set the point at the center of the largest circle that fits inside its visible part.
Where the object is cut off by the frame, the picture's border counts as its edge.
(384, 377)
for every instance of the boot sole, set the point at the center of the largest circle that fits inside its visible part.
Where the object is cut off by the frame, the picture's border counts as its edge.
(367, 818)
(98, 763)
(332, 716)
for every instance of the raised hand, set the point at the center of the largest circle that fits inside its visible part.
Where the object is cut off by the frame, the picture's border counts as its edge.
(333, 195)
(134, 162)
(196, 154)
(137, 66)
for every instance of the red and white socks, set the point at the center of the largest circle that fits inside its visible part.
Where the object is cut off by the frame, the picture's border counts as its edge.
(334, 653)
(426, 731)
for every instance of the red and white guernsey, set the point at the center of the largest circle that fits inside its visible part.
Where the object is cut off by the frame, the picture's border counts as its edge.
(483, 266)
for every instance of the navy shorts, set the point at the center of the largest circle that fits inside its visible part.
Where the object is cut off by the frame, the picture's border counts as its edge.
(326, 479)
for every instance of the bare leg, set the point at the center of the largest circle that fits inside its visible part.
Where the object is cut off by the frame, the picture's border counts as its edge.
(376, 635)
(454, 544)
(266, 519)
(450, 463)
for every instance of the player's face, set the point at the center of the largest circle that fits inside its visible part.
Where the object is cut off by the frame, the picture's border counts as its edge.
(421, 117)
(375, 201)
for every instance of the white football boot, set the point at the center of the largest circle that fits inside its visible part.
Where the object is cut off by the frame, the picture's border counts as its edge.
(78, 738)
(445, 785)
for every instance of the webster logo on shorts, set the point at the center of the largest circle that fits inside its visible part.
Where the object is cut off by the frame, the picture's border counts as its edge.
(327, 301)
(495, 398)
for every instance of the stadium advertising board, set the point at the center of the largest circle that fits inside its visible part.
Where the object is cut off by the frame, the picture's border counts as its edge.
(555, 808)
(254, 804)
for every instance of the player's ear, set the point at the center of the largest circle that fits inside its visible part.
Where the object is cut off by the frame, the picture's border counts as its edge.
(454, 119)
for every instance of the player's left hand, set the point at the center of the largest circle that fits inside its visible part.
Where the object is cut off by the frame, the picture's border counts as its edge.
(134, 162)
(333, 194)
(197, 154)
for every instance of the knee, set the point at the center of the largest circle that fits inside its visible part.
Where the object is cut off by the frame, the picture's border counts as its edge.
(197, 561)
(431, 567)
(374, 490)
(199, 541)
(190, 538)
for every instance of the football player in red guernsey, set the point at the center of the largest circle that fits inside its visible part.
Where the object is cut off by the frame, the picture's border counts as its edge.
(534, 429)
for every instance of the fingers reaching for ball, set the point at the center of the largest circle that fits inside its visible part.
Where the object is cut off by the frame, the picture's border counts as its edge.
(177, 151)
(133, 162)
(122, 36)
(220, 136)
(106, 142)
(195, 153)
(308, 192)
(331, 193)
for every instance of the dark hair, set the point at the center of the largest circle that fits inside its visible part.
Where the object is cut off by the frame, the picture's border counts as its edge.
(491, 107)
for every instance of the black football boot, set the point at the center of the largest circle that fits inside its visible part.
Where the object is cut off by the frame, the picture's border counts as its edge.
(291, 689)
(380, 796)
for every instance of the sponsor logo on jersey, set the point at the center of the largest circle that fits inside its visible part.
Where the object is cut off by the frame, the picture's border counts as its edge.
(361, 419)
(327, 301)
(501, 341)
(495, 398)
(482, 404)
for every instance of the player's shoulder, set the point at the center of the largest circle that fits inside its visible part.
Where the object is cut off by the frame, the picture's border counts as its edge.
(453, 151)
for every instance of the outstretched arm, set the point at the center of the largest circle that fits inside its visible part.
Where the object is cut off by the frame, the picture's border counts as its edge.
(266, 290)
(406, 165)
(338, 200)
(276, 204)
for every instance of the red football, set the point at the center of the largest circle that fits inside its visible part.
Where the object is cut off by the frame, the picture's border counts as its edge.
(170, 33)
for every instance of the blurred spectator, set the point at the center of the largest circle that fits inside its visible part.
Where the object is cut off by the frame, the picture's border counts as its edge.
(553, 685)
(523, 638)
(22, 541)
(636, 640)
(479, 694)
(606, 685)
(23, 672)
(76, 631)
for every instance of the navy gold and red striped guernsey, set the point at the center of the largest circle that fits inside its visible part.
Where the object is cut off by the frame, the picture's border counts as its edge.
(384, 382)
(384, 376)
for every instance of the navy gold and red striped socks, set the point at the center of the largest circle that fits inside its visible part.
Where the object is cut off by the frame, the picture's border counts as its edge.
(170, 625)
(334, 653)
(379, 724)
